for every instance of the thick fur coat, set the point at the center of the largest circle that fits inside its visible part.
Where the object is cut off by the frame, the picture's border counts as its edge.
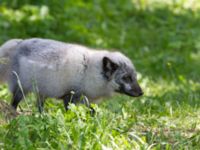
(53, 69)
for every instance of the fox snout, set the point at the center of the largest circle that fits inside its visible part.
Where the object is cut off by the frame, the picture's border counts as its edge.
(133, 90)
(136, 91)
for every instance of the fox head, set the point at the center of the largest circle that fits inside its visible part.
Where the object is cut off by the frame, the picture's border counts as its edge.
(121, 74)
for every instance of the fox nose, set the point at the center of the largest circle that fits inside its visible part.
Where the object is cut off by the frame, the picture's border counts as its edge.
(140, 93)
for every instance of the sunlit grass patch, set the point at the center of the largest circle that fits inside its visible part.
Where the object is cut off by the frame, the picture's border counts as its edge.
(74, 129)
(177, 5)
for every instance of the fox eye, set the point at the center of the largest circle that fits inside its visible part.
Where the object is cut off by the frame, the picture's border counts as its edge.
(127, 79)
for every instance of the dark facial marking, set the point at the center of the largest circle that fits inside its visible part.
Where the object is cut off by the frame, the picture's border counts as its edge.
(127, 78)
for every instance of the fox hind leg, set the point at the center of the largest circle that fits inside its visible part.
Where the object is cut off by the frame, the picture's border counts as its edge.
(40, 103)
(17, 97)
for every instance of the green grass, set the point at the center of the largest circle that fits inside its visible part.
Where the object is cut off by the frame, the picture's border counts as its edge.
(163, 41)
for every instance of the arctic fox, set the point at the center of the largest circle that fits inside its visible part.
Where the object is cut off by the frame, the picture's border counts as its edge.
(54, 69)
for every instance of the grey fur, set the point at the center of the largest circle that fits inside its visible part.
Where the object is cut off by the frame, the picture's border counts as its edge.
(6, 52)
(53, 69)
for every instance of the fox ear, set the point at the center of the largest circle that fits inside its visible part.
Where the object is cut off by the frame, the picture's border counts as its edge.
(109, 67)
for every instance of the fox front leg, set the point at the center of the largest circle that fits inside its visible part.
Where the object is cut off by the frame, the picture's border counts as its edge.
(72, 97)
(66, 101)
